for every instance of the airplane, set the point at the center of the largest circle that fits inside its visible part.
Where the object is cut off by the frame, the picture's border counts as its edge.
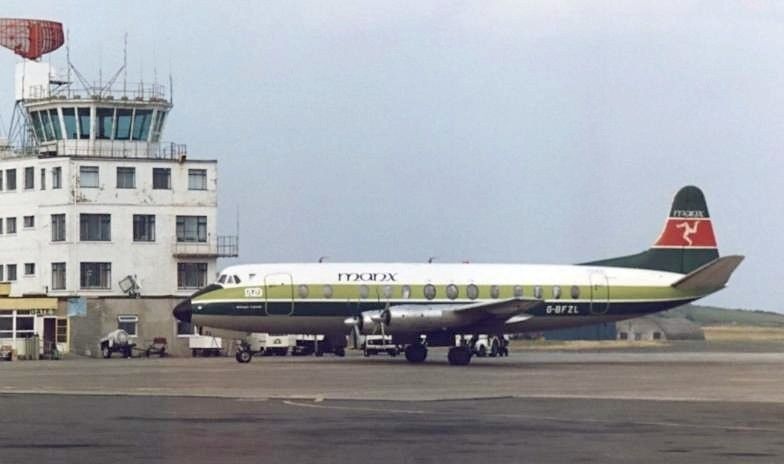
(423, 305)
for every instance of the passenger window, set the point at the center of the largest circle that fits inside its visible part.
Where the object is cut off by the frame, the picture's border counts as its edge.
(387, 293)
(303, 291)
(556, 292)
(575, 292)
(328, 291)
(495, 291)
(429, 291)
(405, 292)
(364, 291)
(452, 291)
(538, 292)
(518, 291)
(472, 291)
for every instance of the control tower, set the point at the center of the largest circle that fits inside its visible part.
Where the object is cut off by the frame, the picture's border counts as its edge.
(65, 115)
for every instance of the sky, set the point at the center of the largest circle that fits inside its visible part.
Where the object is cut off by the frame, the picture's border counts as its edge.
(488, 131)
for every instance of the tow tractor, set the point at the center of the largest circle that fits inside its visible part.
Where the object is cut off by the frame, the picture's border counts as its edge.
(375, 344)
(281, 345)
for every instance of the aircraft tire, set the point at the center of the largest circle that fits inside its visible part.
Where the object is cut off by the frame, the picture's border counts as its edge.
(243, 356)
(459, 356)
(416, 353)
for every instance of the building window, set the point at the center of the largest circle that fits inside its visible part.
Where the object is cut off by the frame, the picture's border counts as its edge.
(128, 324)
(1, 273)
(1, 225)
(84, 123)
(452, 291)
(10, 225)
(43, 179)
(69, 118)
(191, 228)
(88, 176)
(161, 178)
(429, 291)
(62, 330)
(191, 275)
(10, 179)
(95, 227)
(29, 178)
(29, 269)
(58, 276)
(104, 117)
(6, 326)
(58, 227)
(25, 326)
(57, 177)
(143, 227)
(95, 275)
(28, 222)
(11, 272)
(197, 179)
(126, 178)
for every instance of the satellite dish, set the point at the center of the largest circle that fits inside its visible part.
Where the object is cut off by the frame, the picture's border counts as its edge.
(129, 286)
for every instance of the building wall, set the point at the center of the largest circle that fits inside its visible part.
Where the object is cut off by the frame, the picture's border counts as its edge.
(155, 320)
(152, 263)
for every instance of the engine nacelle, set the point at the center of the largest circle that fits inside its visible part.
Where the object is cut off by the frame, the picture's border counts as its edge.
(414, 319)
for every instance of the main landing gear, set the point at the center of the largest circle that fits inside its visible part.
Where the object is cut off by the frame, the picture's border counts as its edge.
(416, 353)
(460, 355)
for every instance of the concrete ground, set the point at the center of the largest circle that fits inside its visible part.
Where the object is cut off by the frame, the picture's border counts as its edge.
(661, 405)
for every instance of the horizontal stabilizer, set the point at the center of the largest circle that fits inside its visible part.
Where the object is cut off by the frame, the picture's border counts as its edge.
(711, 276)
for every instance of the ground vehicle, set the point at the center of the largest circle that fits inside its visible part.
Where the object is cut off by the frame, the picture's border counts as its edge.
(204, 345)
(375, 344)
(158, 346)
(491, 345)
(280, 345)
(116, 341)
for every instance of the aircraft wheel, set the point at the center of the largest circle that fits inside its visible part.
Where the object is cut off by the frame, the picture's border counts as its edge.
(459, 356)
(416, 353)
(243, 356)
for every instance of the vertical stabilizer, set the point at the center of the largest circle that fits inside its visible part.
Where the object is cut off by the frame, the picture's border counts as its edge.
(686, 243)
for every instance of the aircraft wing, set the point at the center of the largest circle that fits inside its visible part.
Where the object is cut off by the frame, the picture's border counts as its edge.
(502, 309)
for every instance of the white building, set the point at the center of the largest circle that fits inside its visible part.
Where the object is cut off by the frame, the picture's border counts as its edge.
(93, 195)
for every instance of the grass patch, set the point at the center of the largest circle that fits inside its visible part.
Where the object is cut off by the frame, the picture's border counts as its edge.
(734, 333)
(576, 345)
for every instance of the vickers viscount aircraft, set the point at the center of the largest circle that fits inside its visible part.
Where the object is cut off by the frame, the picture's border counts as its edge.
(438, 301)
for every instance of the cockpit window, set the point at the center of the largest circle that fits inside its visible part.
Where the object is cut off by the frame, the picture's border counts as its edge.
(222, 279)
(237, 280)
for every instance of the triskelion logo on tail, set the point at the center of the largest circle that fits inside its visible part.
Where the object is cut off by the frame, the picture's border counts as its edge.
(688, 230)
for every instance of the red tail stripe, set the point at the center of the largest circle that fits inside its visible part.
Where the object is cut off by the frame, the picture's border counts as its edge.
(680, 232)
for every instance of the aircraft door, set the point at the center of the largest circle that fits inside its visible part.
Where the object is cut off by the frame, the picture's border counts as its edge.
(279, 294)
(600, 293)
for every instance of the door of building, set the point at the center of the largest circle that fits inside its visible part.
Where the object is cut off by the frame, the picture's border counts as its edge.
(50, 334)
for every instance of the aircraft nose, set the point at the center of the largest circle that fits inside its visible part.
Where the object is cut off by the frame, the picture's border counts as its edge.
(182, 312)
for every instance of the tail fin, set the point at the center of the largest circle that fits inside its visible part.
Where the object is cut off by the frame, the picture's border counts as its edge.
(686, 243)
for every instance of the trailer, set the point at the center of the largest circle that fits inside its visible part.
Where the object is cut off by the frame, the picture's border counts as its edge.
(204, 345)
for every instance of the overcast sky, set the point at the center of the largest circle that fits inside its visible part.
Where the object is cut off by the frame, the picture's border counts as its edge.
(542, 132)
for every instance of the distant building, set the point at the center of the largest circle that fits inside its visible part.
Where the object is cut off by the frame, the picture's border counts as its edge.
(659, 328)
